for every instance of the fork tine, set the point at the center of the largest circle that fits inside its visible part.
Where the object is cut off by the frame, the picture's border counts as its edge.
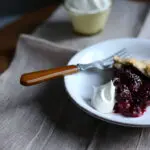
(119, 53)
(124, 55)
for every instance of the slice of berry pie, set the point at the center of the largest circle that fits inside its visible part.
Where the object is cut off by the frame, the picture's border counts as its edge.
(132, 82)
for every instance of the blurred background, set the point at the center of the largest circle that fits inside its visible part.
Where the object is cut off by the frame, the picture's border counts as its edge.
(23, 16)
(14, 7)
(16, 17)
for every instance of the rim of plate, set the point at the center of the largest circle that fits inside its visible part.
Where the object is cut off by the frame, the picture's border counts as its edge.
(108, 120)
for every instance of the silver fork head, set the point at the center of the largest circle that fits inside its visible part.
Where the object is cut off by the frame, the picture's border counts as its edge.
(105, 63)
(119, 53)
(108, 63)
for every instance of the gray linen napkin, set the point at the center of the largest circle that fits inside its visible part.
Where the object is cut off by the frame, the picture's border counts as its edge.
(23, 123)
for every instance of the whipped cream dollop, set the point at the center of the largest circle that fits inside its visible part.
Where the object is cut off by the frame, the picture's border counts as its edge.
(103, 99)
(87, 5)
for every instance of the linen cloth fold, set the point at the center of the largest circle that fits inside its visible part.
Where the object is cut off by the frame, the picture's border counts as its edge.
(21, 108)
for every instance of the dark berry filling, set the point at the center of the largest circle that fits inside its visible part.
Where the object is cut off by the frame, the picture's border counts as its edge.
(132, 91)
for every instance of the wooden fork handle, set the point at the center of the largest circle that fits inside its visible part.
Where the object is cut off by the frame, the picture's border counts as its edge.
(44, 75)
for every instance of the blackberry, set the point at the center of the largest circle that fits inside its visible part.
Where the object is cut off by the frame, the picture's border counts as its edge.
(144, 93)
(123, 93)
(133, 81)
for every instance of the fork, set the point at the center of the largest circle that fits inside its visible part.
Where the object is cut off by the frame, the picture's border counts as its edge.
(33, 78)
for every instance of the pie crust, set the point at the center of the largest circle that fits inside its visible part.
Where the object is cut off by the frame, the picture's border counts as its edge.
(142, 66)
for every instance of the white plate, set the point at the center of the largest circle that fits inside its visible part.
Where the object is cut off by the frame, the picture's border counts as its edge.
(79, 86)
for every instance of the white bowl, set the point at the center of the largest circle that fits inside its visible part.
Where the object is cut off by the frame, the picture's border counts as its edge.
(80, 85)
